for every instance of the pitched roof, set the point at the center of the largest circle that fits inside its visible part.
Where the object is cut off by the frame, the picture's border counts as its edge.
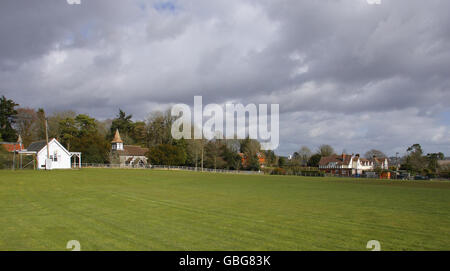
(117, 138)
(378, 160)
(37, 146)
(129, 150)
(343, 159)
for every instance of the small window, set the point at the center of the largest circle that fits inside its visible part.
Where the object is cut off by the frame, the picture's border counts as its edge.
(54, 157)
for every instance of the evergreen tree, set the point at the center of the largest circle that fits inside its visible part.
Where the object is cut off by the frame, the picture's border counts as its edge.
(7, 119)
(124, 124)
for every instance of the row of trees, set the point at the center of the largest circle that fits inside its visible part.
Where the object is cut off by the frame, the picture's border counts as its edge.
(305, 157)
(81, 132)
(417, 162)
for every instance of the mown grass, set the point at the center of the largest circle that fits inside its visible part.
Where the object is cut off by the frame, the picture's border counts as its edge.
(114, 209)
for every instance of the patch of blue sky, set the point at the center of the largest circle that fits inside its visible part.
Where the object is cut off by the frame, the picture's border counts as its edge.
(87, 30)
(68, 39)
(445, 118)
(166, 6)
(142, 6)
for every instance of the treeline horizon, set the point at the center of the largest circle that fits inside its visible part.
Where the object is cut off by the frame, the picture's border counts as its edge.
(92, 137)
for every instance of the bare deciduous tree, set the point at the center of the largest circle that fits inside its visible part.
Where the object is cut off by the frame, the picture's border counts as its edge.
(374, 153)
(325, 150)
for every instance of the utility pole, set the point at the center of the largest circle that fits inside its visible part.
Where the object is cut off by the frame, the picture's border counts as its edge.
(196, 158)
(14, 158)
(202, 155)
(396, 160)
(20, 149)
(48, 150)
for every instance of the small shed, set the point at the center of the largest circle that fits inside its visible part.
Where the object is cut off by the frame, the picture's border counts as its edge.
(57, 157)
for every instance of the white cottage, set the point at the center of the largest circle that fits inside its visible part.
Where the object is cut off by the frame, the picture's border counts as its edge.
(59, 157)
(348, 165)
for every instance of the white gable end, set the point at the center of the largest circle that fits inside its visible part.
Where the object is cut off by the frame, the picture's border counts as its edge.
(60, 157)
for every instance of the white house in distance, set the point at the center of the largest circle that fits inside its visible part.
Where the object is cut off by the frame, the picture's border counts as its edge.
(348, 165)
(60, 158)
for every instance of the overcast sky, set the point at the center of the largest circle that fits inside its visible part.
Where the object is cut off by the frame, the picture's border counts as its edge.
(345, 73)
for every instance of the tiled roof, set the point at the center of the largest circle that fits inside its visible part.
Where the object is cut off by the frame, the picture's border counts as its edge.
(37, 146)
(129, 150)
(378, 160)
(343, 159)
(117, 138)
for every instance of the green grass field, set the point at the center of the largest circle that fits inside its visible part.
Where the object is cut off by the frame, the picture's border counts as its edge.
(171, 210)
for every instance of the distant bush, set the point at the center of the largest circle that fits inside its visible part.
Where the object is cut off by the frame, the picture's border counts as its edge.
(312, 173)
(6, 159)
(278, 171)
(297, 171)
(167, 154)
(445, 172)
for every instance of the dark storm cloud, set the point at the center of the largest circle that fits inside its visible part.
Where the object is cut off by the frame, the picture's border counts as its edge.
(328, 63)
